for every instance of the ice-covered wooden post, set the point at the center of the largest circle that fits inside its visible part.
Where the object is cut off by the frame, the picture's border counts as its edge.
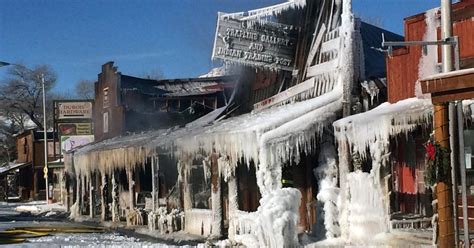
(216, 198)
(183, 171)
(233, 203)
(83, 194)
(115, 199)
(78, 195)
(103, 190)
(130, 188)
(91, 195)
(155, 181)
(345, 163)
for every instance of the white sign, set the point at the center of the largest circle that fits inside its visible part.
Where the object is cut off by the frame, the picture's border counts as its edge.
(70, 142)
(74, 110)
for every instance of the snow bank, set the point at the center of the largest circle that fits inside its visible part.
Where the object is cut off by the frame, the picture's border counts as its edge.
(275, 221)
(41, 208)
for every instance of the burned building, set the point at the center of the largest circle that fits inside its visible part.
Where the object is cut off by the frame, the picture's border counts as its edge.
(126, 104)
(271, 144)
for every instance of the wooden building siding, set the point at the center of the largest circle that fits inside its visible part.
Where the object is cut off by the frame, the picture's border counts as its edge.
(24, 147)
(410, 194)
(465, 31)
(402, 66)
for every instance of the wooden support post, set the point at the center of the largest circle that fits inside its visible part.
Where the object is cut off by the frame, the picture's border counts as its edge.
(115, 199)
(91, 196)
(61, 185)
(216, 198)
(78, 195)
(83, 194)
(443, 189)
(35, 184)
(186, 187)
(131, 199)
(233, 203)
(345, 166)
(155, 182)
(104, 190)
(454, 162)
(462, 164)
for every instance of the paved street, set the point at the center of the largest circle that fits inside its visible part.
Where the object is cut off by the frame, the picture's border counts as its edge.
(9, 218)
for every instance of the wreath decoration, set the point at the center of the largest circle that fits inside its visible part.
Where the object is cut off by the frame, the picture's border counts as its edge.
(438, 164)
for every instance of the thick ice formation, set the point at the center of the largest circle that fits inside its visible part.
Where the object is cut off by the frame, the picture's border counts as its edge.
(165, 222)
(366, 209)
(275, 222)
(328, 193)
(370, 131)
(198, 221)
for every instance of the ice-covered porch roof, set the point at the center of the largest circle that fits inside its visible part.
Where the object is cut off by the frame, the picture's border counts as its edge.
(129, 151)
(246, 135)
(383, 122)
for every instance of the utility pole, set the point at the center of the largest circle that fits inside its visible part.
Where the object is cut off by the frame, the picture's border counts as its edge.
(446, 237)
(45, 136)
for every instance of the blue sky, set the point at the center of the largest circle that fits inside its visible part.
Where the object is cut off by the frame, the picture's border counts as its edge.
(76, 37)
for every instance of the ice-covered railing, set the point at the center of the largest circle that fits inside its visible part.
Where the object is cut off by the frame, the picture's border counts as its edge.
(383, 122)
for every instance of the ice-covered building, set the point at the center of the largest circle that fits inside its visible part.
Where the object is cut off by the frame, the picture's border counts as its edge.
(384, 147)
(127, 110)
(263, 168)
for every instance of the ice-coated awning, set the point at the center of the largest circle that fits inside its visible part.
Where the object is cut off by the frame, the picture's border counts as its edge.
(289, 127)
(131, 150)
(383, 122)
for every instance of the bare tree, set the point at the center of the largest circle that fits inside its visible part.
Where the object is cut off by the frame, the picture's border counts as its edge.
(21, 94)
(7, 141)
(85, 89)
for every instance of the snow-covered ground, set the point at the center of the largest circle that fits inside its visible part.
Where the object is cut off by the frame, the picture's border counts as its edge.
(39, 214)
(40, 207)
(89, 240)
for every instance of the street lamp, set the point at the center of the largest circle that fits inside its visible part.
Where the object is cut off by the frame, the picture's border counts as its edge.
(45, 137)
